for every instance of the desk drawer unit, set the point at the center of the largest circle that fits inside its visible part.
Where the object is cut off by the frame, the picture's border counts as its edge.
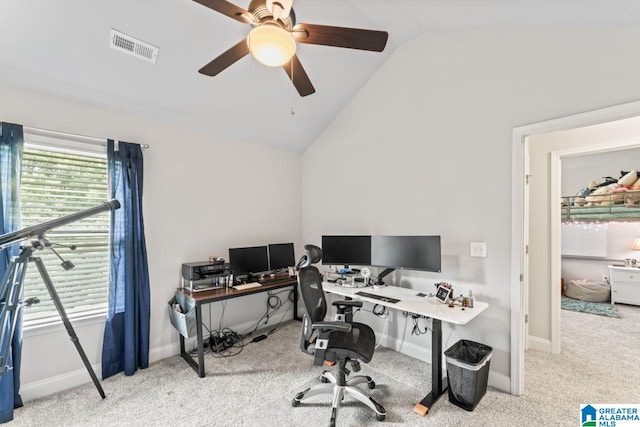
(625, 286)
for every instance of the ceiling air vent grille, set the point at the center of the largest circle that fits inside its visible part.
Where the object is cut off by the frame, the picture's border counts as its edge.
(132, 46)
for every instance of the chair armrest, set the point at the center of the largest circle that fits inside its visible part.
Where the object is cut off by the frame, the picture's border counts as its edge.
(325, 327)
(347, 303)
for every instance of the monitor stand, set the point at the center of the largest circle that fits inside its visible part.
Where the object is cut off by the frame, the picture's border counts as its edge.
(384, 274)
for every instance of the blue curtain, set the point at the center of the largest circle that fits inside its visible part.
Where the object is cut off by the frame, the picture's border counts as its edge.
(126, 336)
(11, 144)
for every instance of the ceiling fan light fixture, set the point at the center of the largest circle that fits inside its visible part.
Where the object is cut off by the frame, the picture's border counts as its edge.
(271, 45)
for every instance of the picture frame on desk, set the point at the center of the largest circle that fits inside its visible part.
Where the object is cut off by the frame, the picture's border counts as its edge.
(443, 293)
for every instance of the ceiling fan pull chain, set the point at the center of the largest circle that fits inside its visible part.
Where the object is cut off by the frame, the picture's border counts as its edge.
(292, 111)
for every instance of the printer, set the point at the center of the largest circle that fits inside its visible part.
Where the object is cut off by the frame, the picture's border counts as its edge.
(205, 275)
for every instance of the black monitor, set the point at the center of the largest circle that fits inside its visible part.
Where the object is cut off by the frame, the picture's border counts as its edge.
(347, 250)
(244, 261)
(281, 255)
(408, 252)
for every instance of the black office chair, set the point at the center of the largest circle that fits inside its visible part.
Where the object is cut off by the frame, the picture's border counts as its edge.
(339, 342)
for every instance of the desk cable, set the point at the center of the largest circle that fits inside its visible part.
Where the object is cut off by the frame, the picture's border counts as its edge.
(290, 299)
(382, 312)
(222, 341)
(274, 303)
(416, 330)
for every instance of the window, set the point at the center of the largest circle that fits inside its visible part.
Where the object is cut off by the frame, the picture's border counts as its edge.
(57, 182)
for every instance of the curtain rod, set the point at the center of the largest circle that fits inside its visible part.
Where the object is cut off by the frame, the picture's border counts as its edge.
(87, 139)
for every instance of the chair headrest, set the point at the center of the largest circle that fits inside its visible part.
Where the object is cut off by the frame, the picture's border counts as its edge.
(313, 254)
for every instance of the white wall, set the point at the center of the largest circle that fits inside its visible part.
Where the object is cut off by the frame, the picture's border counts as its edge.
(426, 147)
(202, 195)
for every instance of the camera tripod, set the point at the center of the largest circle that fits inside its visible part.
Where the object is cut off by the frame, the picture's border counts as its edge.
(10, 303)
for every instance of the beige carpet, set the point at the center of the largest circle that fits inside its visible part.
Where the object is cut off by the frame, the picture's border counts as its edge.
(599, 364)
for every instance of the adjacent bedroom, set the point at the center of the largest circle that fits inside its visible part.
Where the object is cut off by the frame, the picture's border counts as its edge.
(600, 230)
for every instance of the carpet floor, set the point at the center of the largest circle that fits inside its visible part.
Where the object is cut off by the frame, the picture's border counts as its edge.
(598, 364)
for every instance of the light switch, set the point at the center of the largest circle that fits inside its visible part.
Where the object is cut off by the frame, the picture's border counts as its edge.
(478, 249)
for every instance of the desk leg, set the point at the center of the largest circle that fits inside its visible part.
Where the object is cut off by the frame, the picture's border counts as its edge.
(295, 302)
(438, 384)
(200, 343)
(197, 366)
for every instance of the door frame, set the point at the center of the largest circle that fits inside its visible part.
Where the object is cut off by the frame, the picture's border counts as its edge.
(520, 223)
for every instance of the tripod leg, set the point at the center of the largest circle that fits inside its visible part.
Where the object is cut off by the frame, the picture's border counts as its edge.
(11, 290)
(65, 320)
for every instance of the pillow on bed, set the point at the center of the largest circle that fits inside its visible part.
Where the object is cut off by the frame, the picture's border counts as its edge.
(601, 196)
(628, 179)
(635, 185)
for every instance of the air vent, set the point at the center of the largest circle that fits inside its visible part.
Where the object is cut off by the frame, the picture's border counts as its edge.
(132, 46)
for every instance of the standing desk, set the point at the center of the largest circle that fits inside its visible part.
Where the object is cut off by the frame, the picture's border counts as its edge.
(424, 306)
(215, 295)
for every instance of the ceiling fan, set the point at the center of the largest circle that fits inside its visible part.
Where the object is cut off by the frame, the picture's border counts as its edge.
(272, 40)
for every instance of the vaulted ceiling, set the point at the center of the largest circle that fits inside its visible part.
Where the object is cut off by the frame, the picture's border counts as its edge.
(62, 48)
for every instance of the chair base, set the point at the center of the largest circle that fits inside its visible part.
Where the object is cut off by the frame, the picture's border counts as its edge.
(332, 385)
(328, 377)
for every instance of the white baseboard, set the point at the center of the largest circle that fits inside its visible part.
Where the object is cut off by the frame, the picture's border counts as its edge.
(499, 381)
(163, 352)
(57, 383)
(540, 344)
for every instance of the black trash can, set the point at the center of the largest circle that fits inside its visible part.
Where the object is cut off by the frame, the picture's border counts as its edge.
(468, 372)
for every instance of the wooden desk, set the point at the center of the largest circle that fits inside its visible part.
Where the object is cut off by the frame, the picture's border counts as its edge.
(424, 306)
(214, 295)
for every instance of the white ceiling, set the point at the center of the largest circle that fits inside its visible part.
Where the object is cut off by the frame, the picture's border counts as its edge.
(61, 47)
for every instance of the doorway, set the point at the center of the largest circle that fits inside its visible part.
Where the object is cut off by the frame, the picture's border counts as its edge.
(527, 139)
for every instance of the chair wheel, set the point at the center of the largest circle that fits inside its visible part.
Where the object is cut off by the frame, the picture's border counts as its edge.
(371, 384)
(380, 417)
(295, 403)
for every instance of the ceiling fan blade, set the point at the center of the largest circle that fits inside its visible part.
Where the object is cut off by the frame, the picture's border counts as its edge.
(225, 59)
(352, 38)
(226, 8)
(299, 76)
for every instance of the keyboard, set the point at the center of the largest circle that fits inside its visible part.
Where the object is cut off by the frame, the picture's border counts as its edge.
(378, 297)
(249, 285)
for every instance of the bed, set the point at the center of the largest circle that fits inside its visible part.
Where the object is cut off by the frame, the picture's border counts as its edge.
(610, 207)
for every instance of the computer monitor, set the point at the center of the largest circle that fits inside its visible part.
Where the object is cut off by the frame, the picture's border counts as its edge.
(244, 261)
(281, 255)
(407, 252)
(346, 250)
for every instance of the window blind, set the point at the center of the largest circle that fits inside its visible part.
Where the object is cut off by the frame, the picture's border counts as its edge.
(54, 184)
